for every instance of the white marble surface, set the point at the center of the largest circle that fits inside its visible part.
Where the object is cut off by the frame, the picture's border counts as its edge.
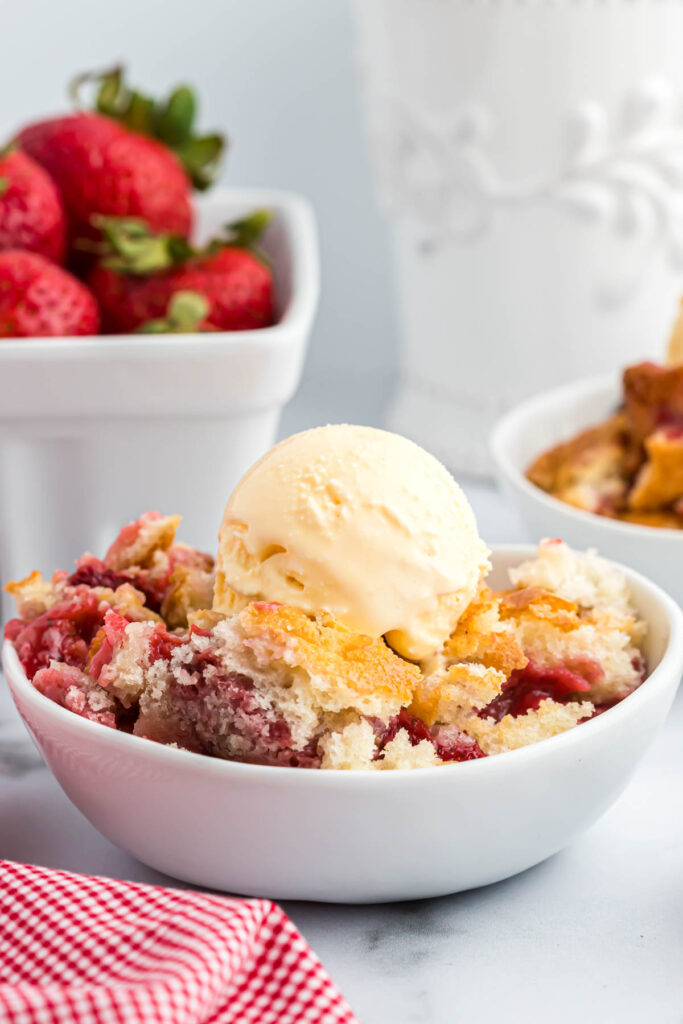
(594, 935)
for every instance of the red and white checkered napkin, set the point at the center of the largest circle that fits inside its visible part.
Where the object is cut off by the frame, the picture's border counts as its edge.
(75, 949)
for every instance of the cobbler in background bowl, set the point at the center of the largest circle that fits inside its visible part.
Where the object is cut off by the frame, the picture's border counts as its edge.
(630, 466)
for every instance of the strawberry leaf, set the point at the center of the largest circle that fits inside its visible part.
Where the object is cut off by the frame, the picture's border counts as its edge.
(174, 120)
(4, 185)
(110, 93)
(129, 247)
(139, 113)
(200, 156)
(170, 120)
(185, 312)
(246, 233)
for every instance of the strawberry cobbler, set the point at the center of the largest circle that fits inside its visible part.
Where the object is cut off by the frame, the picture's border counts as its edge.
(629, 467)
(132, 642)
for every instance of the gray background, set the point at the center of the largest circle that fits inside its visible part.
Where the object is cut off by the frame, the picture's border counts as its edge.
(279, 75)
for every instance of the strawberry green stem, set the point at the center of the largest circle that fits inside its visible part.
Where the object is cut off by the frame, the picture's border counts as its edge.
(185, 314)
(170, 120)
(127, 245)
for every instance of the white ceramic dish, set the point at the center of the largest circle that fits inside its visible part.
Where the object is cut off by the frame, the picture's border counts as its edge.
(291, 833)
(557, 415)
(512, 169)
(95, 430)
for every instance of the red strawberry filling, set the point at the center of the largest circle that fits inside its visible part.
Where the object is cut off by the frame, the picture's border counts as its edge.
(223, 711)
(63, 633)
(91, 572)
(105, 642)
(229, 701)
(671, 419)
(449, 742)
(527, 687)
(68, 687)
(96, 574)
(414, 726)
(162, 644)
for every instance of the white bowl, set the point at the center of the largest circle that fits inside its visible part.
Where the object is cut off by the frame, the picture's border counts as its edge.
(293, 833)
(557, 415)
(94, 430)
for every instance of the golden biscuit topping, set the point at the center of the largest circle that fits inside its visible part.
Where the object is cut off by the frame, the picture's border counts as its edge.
(352, 670)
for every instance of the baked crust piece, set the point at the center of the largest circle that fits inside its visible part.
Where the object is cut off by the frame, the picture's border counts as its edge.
(510, 733)
(538, 603)
(660, 480)
(187, 590)
(347, 669)
(478, 658)
(668, 520)
(589, 471)
(139, 541)
(451, 695)
(34, 595)
(653, 397)
(674, 354)
(479, 636)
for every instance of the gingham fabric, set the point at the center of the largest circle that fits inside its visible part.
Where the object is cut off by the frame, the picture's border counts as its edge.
(80, 950)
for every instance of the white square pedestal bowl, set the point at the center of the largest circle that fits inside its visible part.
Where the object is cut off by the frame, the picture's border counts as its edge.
(94, 431)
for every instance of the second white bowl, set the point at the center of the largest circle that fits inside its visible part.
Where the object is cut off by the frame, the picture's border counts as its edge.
(557, 415)
(357, 837)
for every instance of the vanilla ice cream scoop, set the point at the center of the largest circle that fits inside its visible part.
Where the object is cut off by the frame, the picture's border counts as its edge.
(358, 522)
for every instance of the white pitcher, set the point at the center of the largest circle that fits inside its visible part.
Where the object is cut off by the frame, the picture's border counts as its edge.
(530, 154)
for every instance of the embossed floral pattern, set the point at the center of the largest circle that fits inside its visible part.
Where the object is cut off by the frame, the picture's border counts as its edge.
(622, 172)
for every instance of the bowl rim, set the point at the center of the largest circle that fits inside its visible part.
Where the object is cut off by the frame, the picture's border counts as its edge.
(300, 225)
(671, 663)
(519, 420)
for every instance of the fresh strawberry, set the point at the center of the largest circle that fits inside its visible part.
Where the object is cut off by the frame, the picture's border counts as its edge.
(31, 211)
(40, 299)
(102, 167)
(132, 157)
(135, 282)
